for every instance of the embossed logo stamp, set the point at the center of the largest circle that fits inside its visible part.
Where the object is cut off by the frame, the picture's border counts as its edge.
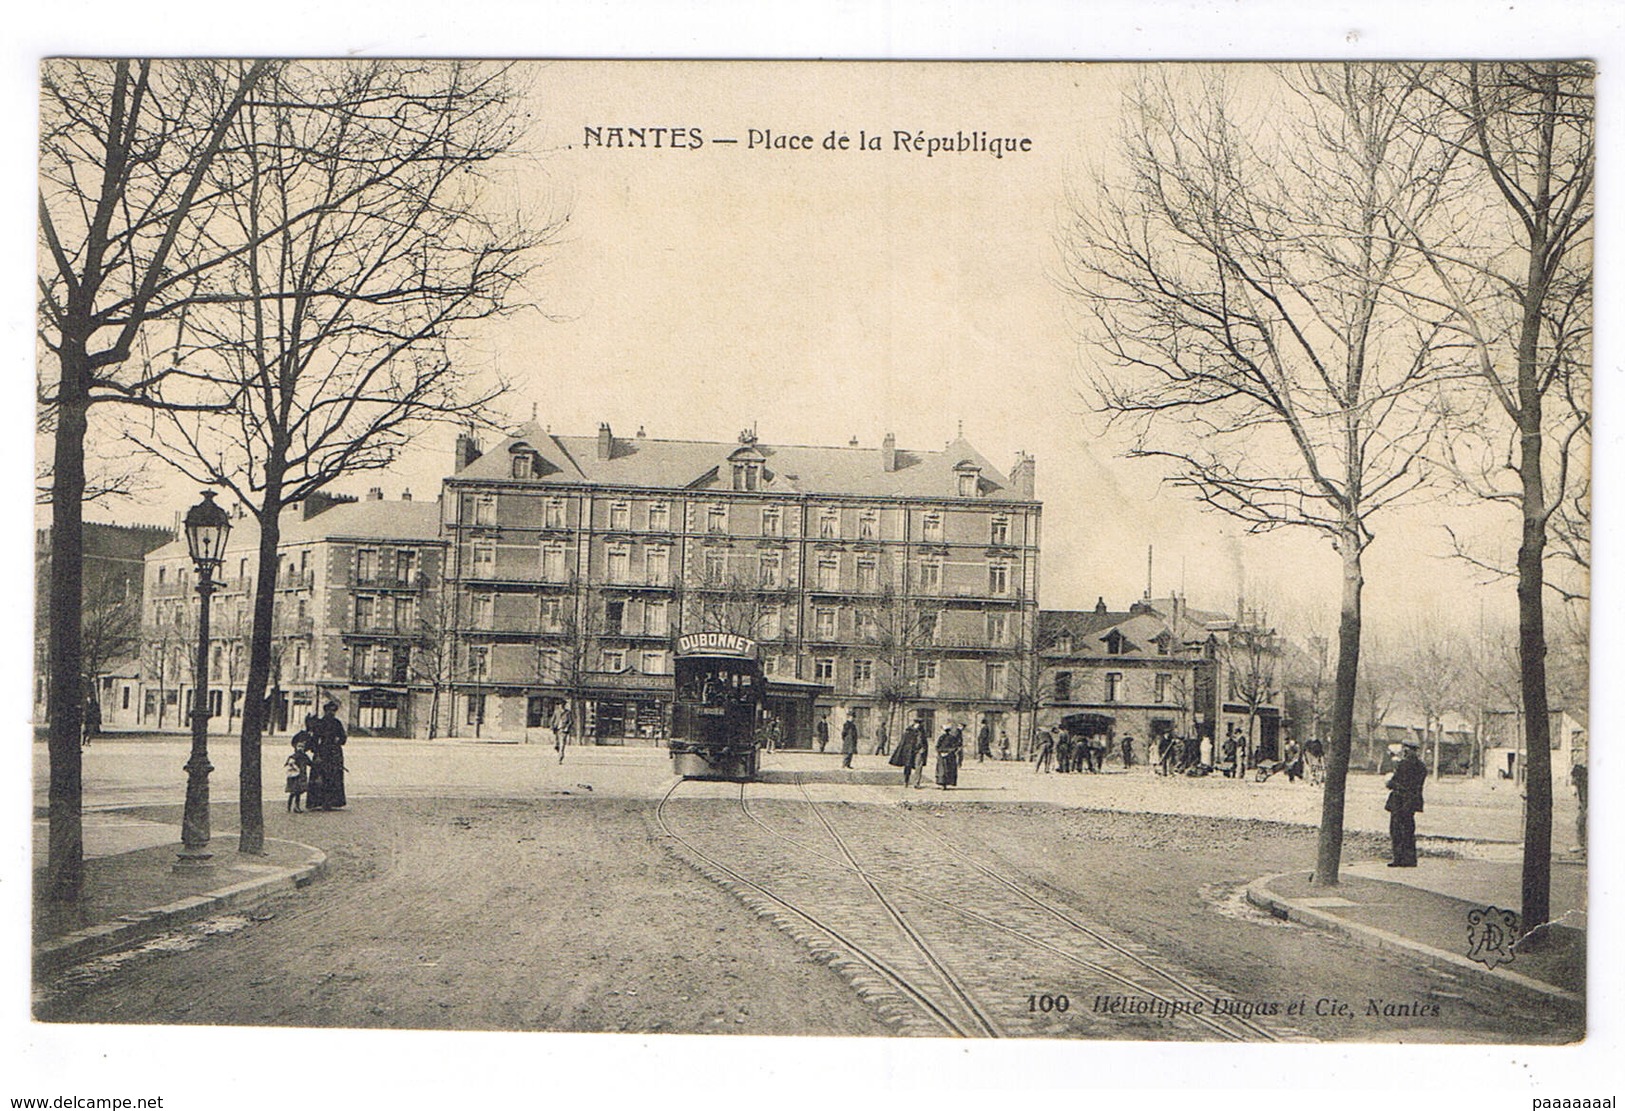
(1491, 934)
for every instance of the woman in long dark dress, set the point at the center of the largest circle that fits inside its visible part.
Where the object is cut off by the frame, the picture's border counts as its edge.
(950, 750)
(327, 772)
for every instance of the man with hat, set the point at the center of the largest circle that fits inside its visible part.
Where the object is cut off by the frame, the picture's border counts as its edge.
(327, 770)
(1405, 801)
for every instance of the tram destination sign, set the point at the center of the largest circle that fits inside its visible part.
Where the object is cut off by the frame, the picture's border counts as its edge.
(716, 644)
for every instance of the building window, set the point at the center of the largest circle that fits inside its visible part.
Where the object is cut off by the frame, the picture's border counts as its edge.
(829, 574)
(553, 513)
(659, 517)
(868, 626)
(1114, 686)
(1162, 687)
(930, 576)
(1063, 686)
(863, 675)
(998, 578)
(479, 661)
(998, 628)
(406, 565)
(657, 566)
(868, 525)
(716, 567)
(772, 522)
(772, 570)
(406, 614)
(999, 531)
(620, 516)
(614, 659)
(476, 709)
(620, 565)
(378, 712)
(161, 572)
(716, 519)
(299, 661)
(485, 559)
(770, 623)
(550, 664)
(868, 575)
(829, 524)
(485, 610)
(926, 672)
(967, 484)
(614, 616)
(655, 618)
(824, 623)
(553, 564)
(654, 663)
(366, 565)
(485, 509)
(932, 531)
(928, 624)
(747, 476)
(521, 465)
(552, 614)
(365, 610)
(996, 675)
(824, 669)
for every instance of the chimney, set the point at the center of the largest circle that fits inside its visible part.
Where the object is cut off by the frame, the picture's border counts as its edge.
(468, 450)
(888, 453)
(375, 493)
(640, 432)
(406, 494)
(852, 442)
(1023, 475)
(1100, 604)
(606, 440)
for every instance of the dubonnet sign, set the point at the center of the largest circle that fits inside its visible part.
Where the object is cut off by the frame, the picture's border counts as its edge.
(716, 644)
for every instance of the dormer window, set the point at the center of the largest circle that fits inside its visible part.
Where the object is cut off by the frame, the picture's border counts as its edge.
(747, 476)
(969, 477)
(522, 461)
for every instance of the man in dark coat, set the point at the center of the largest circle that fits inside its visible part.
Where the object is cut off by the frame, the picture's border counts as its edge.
(984, 741)
(1405, 803)
(882, 744)
(849, 742)
(823, 734)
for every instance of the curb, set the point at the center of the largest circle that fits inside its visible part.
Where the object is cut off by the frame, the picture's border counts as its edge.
(62, 952)
(1373, 937)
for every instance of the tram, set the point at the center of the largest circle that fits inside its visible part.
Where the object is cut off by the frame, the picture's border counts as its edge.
(718, 700)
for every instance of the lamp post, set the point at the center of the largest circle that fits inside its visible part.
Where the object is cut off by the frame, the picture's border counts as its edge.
(207, 526)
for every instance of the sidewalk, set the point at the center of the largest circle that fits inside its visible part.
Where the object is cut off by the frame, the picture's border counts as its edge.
(131, 892)
(1423, 913)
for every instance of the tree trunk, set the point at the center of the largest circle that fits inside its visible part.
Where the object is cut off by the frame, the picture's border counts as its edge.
(251, 808)
(65, 856)
(1329, 854)
(1537, 834)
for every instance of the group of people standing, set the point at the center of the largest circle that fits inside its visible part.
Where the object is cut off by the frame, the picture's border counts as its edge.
(316, 767)
(914, 749)
(1062, 751)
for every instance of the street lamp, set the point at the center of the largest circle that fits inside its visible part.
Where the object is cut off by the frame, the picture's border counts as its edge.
(207, 526)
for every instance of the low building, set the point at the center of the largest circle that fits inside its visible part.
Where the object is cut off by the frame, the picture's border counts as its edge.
(355, 620)
(1504, 748)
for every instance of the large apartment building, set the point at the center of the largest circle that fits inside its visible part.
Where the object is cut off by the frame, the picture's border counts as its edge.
(888, 582)
(354, 620)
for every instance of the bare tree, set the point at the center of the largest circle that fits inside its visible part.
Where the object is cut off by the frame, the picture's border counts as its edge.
(1512, 264)
(327, 343)
(1253, 654)
(433, 651)
(111, 623)
(1433, 667)
(126, 150)
(902, 627)
(1239, 282)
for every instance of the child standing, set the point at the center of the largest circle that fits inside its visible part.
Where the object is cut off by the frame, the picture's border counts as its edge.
(298, 768)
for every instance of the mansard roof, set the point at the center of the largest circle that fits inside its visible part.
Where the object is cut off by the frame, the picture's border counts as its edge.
(702, 464)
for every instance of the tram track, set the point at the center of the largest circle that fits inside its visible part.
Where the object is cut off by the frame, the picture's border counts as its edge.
(939, 958)
(1185, 993)
(877, 964)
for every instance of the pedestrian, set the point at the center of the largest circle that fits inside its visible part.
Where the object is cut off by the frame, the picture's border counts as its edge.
(1314, 759)
(823, 734)
(93, 720)
(921, 753)
(1004, 745)
(563, 725)
(1292, 758)
(1064, 745)
(297, 765)
(326, 791)
(1128, 752)
(1579, 776)
(1045, 749)
(882, 745)
(1098, 746)
(904, 756)
(984, 741)
(1165, 754)
(849, 741)
(950, 751)
(1405, 801)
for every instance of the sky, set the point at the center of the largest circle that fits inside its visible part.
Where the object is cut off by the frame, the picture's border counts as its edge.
(824, 294)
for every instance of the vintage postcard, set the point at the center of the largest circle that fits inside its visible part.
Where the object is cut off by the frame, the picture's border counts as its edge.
(880, 550)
